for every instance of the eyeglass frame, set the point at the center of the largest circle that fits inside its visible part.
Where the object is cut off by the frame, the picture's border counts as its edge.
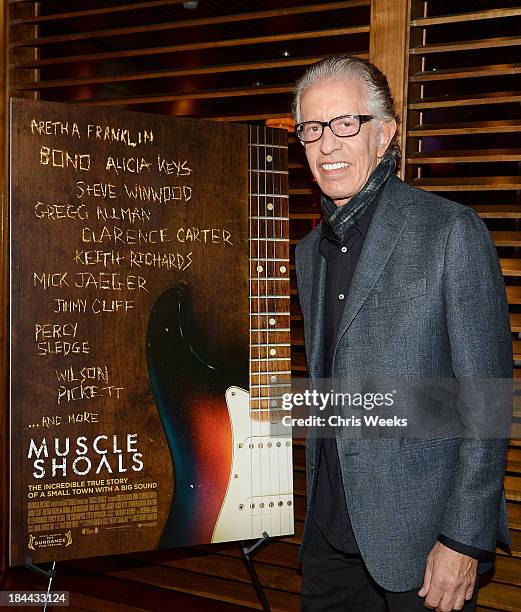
(361, 120)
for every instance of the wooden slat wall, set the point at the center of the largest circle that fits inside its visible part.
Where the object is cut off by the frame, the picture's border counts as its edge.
(229, 60)
(462, 125)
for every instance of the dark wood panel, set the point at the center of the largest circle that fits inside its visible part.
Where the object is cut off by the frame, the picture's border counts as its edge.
(470, 72)
(464, 129)
(484, 43)
(182, 23)
(209, 44)
(479, 99)
(464, 17)
(160, 74)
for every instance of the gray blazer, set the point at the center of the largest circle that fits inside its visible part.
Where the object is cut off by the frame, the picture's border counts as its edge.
(428, 300)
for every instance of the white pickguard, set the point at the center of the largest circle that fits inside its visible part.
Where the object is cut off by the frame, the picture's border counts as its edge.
(259, 497)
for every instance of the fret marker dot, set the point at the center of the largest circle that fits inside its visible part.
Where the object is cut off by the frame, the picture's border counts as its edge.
(282, 269)
(269, 206)
(273, 403)
(273, 352)
(269, 158)
(273, 379)
(272, 321)
(260, 268)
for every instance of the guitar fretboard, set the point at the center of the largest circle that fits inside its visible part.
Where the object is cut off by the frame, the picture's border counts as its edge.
(270, 348)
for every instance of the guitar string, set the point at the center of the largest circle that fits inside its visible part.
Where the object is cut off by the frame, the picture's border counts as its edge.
(261, 424)
(267, 338)
(252, 150)
(274, 190)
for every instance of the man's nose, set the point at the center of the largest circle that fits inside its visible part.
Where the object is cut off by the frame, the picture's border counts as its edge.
(329, 142)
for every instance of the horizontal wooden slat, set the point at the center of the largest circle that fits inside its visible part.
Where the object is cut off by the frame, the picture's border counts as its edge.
(480, 99)
(498, 211)
(300, 191)
(110, 593)
(514, 454)
(105, 10)
(515, 322)
(182, 581)
(514, 294)
(500, 597)
(251, 116)
(479, 183)
(508, 570)
(197, 94)
(212, 588)
(464, 17)
(510, 238)
(196, 46)
(483, 43)
(301, 216)
(465, 73)
(513, 488)
(510, 267)
(170, 73)
(204, 21)
(277, 553)
(468, 156)
(230, 568)
(464, 129)
(514, 516)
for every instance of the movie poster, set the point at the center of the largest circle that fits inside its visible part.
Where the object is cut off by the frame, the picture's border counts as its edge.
(149, 329)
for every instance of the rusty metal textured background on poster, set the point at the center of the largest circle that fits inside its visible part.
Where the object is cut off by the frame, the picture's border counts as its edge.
(149, 295)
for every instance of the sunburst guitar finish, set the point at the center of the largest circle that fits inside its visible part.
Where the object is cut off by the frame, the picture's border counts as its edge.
(231, 455)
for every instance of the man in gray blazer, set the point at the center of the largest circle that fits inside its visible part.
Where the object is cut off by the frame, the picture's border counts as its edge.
(394, 282)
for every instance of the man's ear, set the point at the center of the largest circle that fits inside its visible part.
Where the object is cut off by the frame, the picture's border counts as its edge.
(387, 131)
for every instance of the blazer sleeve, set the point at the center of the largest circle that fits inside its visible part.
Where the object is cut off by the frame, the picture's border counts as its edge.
(481, 349)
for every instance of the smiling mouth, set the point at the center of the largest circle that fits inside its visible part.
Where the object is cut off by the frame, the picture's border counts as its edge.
(334, 166)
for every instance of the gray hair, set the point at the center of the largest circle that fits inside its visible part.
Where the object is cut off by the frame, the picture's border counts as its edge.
(380, 101)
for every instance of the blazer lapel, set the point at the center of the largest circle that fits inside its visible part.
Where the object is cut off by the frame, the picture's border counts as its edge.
(316, 353)
(383, 234)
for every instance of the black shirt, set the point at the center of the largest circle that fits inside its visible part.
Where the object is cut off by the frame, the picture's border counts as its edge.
(330, 509)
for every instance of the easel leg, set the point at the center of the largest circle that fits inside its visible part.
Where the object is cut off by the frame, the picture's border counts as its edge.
(50, 574)
(246, 556)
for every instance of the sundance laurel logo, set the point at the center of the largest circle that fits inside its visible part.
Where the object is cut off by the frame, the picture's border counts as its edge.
(50, 540)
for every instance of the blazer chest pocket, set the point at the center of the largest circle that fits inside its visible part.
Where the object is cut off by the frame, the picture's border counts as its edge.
(399, 293)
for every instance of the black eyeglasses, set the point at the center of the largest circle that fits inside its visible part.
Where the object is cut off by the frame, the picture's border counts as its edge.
(343, 126)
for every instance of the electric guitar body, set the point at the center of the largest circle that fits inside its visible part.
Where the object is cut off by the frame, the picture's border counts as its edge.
(231, 455)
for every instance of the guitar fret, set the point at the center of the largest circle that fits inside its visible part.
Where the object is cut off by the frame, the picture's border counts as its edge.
(271, 218)
(268, 195)
(270, 329)
(270, 398)
(273, 385)
(269, 359)
(271, 171)
(270, 313)
(272, 146)
(277, 297)
(270, 373)
(271, 239)
(271, 278)
(269, 259)
(272, 344)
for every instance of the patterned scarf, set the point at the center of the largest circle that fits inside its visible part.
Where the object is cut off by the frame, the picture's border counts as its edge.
(341, 218)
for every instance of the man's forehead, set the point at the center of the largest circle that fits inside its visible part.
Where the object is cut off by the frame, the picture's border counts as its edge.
(334, 95)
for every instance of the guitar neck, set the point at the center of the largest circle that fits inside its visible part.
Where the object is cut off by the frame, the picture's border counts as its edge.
(270, 346)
